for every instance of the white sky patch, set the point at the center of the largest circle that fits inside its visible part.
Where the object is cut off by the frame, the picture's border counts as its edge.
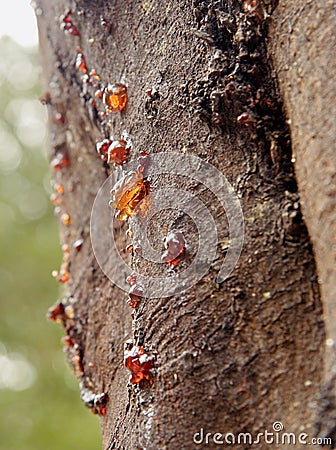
(17, 20)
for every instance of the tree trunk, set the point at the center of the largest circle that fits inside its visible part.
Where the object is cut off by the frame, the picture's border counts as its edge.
(302, 43)
(241, 354)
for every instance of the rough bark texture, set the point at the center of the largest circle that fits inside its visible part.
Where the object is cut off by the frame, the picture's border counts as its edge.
(302, 43)
(232, 357)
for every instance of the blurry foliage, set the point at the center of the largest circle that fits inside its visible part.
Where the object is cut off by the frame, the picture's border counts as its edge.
(40, 407)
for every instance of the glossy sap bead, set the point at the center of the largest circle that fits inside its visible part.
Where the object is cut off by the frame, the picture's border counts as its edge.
(175, 247)
(67, 26)
(139, 363)
(102, 148)
(135, 294)
(128, 193)
(118, 153)
(115, 97)
(80, 62)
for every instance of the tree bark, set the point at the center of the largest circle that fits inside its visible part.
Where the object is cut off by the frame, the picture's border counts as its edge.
(239, 355)
(301, 43)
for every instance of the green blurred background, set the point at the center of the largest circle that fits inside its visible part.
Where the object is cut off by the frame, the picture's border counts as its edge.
(40, 407)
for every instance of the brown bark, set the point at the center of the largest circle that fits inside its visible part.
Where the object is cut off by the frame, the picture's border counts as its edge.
(231, 357)
(302, 43)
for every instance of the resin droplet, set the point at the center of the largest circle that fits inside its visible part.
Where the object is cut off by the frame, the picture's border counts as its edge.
(135, 293)
(128, 193)
(65, 248)
(67, 26)
(99, 94)
(60, 313)
(74, 354)
(66, 256)
(80, 62)
(137, 246)
(100, 402)
(57, 313)
(105, 24)
(63, 276)
(175, 247)
(59, 188)
(61, 160)
(129, 248)
(102, 148)
(118, 153)
(78, 244)
(144, 163)
(55, 199)
(139, 363)
(152, 92)
(131, 279)
(115, 97)
(247, 120)
(59, 118)
(65, 219)
(70, 312)
(95, 402)
(94, 77)
(250, 5)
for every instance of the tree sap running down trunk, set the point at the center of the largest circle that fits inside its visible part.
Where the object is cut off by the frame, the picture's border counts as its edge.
(230, 357)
